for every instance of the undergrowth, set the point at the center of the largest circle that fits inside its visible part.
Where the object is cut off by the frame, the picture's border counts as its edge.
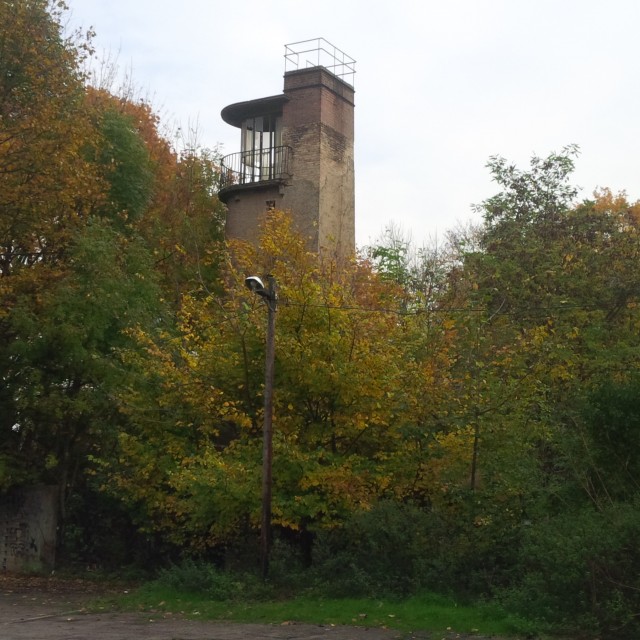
(202, 591)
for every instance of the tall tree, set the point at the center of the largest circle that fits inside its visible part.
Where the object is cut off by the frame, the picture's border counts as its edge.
(93, 208)
(47, 185)
(562, 276)
(350, 370)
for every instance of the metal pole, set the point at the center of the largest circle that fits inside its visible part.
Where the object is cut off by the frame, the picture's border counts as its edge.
(267, 448)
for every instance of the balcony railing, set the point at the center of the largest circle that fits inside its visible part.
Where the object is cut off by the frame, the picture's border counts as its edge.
(250, 167)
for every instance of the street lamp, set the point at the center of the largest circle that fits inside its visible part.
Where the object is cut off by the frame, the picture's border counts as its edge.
(256, 285)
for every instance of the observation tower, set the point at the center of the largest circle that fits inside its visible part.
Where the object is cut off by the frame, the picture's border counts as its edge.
(296, 152)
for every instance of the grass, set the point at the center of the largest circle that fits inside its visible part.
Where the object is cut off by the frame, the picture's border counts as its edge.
(425, 612)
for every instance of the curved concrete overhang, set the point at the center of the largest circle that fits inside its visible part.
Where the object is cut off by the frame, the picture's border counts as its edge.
(264, 185)
(234, 114)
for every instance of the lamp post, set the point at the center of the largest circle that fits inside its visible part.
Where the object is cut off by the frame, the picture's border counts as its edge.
(269, 294)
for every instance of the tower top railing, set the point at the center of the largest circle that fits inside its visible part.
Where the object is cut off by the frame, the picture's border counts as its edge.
(318, 52)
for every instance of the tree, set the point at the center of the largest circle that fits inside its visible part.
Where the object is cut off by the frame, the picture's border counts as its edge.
(346, 386)
(424, 273)
(167, 196)
(47, 188)
(554, 288)
(47, 185)
(58, 368)
(94, 204)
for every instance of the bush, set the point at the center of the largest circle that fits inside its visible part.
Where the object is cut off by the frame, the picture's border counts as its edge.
(377, 552)
(204, 579)
(288, 571)
(581, 572)
(399, 549)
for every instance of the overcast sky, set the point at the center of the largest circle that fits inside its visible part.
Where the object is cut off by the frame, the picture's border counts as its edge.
(440, 87)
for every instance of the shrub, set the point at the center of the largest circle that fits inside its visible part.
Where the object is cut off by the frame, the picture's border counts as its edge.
(204, 579)
(580, 571)
(377, 552)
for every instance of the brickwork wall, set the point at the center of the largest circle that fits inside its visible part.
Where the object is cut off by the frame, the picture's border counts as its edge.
(337, 195)
(318, 124)
(247, 208)
(302, 194)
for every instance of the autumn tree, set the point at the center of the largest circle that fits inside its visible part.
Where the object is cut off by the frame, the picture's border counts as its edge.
(167, 196)
(47, 184)
(424, 272)
(346, 387)
(554, 286)
(94, 204)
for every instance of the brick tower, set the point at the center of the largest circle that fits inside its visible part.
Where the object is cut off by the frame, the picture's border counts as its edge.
(297, 152)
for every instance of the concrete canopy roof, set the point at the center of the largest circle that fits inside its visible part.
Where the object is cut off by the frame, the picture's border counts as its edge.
(234, 114)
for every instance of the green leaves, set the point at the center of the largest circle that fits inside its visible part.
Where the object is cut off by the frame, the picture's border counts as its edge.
(128, 166)
(612, 417)
(543, 193)
(59, 364)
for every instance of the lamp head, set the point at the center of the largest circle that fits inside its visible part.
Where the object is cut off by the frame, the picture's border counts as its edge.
(254, 284)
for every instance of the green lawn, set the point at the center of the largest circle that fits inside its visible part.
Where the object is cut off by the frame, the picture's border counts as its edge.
(419, 613)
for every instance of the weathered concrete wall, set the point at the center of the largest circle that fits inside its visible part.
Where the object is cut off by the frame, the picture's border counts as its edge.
(28, 524)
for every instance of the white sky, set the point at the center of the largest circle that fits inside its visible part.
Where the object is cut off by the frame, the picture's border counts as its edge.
(440, 87)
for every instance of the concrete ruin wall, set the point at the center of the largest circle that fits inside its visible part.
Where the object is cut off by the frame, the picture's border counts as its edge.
(28, 523)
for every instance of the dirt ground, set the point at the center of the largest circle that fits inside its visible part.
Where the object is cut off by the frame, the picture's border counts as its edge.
(51, 609)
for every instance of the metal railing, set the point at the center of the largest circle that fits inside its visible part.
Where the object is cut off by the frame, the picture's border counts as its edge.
(250, 167)
(318, 52)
